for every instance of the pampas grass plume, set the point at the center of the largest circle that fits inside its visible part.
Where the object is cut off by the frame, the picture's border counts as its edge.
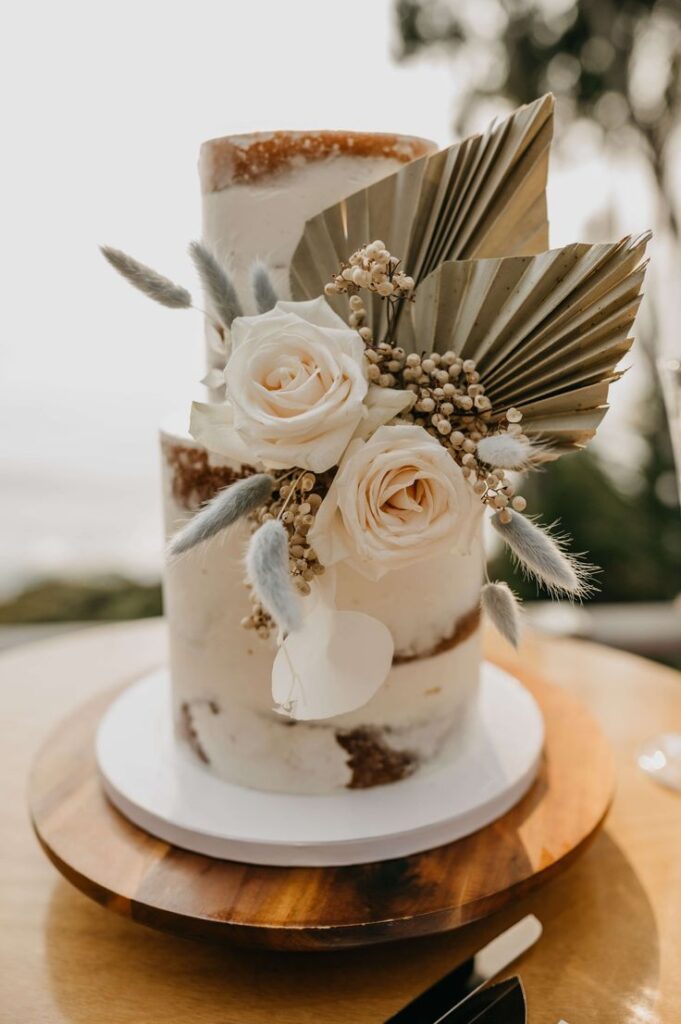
(501, 605)
(265, 296)
(154, 285)
(268, 573)
(230, 505)
(216, 284)
(543, 557)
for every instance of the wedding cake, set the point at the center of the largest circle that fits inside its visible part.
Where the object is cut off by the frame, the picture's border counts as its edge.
(389, 343)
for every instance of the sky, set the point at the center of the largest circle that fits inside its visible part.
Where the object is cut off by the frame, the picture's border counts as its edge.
(105, 108)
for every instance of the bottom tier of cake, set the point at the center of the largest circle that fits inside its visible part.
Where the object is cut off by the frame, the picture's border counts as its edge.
(221, 672)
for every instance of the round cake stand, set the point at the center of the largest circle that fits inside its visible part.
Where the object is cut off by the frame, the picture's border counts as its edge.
(162, 787)
(156, 883)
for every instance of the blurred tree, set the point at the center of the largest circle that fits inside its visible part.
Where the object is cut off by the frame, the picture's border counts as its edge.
(618, 65)
(615, 63)
(105, 598)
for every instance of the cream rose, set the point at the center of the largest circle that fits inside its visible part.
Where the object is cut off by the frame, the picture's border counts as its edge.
(297, 389)
(396, 499)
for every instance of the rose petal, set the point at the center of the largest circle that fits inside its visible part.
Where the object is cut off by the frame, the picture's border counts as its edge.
(315, 311)
(297, 380)
(383, 405)
(212, 425)
(214, 378)
(398, 498)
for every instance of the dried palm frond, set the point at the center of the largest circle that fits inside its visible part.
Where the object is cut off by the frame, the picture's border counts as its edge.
(483, 196)
(546, 332)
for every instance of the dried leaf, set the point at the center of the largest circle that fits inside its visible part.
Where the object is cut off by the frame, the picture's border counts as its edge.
(484, 196)
(546, 331)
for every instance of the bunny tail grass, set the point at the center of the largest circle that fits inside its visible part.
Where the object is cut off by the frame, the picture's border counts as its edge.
(268, 573)
(265, 296)
(504, 451)
(231, 504)
(542, 556)
(501, 606)
(216, 284)
(147, 280)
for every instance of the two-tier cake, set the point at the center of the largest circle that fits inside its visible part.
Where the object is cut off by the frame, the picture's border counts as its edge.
(389, 344)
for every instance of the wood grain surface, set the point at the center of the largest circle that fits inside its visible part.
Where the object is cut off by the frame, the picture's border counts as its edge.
(155, 883)
(612, 938)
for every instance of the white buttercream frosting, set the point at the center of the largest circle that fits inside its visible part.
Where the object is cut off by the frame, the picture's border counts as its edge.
(261, 215)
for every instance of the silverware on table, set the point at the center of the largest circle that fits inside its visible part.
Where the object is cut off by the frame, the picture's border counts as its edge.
(503, 1003)
(438, 1002)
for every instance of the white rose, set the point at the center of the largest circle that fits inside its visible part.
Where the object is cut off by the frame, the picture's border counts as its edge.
(297, 389)
(396, 499)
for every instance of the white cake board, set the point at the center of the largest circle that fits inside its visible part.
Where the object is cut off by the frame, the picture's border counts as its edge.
(161, 787)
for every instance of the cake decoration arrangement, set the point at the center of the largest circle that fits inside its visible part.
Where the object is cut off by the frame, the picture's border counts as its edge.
(382, 371)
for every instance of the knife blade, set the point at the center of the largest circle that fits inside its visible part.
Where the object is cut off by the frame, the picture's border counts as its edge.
(471, 975)
(503, 1003)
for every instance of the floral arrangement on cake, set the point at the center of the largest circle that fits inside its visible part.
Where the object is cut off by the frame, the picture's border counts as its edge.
(390, 405)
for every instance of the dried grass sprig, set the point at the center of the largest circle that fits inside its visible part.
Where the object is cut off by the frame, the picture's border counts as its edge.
(503, 609)
(154, 285)
(542, 555)
(268, 573)
(505, 451)
(216, 284)
(226, 508)
(266, 297)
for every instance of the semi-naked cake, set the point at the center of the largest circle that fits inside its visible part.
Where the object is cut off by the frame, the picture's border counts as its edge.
(258, 192)
(390, 344)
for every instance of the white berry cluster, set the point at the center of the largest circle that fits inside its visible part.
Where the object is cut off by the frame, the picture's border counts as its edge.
(452, 406)
(372, 267)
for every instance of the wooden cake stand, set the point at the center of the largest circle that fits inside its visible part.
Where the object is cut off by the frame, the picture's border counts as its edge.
(131, 872)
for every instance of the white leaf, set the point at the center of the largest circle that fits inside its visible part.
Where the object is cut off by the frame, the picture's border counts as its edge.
(334, 664)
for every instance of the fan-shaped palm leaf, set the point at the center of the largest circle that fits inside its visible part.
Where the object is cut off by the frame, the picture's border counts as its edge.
(484, 196)
(546, 331)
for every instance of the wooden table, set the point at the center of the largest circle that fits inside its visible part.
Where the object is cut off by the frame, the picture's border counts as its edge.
(611, 950)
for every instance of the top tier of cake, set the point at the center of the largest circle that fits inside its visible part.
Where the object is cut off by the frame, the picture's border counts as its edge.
(259, 189)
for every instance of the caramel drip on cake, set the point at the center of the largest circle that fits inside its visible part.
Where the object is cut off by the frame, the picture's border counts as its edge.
(246, 158)
(372, 761)
(194, 479)
(464, 628)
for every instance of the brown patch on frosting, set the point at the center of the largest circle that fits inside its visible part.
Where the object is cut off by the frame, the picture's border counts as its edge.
(189, 733)
(194, 480)
(464, 628)
(188, 730)
(244, 158)
(372, 761)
